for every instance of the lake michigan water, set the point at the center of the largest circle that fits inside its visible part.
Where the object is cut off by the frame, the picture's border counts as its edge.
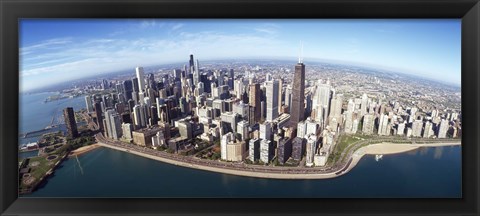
(36, 115)
(433, 172)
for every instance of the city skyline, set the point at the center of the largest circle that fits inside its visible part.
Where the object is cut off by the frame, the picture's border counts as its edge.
(48, 48)
(225, 118)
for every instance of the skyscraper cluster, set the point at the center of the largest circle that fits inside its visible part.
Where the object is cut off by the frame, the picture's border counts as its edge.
(260, 120)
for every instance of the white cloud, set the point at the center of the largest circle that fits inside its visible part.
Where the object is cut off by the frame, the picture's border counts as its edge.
(177, 26)
(148, 23)
(101, 55)
(267, 28)
(47, 44)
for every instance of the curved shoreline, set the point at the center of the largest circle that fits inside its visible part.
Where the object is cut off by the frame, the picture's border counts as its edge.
(390, 148)
(83, 150)
(380, 148)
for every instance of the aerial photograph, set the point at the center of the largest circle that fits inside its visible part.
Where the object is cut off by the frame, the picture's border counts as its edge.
(240, 108)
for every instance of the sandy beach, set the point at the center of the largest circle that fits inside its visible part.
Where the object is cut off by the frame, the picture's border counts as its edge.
(390, 148)
(83, 149)
(381, 148)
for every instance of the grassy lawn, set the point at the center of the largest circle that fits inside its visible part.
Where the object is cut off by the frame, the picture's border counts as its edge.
(345, 141)
(40, 170)
(59, 147)
(344, 144)
(43, 165)
(363, 136)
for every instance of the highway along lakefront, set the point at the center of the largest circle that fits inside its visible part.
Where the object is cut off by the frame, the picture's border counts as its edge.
(275, 172)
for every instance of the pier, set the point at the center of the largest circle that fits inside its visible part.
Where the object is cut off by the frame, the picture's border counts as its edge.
(36, 133)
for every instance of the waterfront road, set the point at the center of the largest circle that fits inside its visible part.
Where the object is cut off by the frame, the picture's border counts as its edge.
(240, 168)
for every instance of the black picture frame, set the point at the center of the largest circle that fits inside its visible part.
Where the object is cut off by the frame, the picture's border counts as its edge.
(12, 10)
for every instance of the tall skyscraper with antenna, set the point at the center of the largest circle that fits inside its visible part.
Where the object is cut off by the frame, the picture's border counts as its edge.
(297, 113)
(191, 64)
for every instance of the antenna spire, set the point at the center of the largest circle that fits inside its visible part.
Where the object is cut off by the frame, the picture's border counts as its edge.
(302, 53)
(300, 56)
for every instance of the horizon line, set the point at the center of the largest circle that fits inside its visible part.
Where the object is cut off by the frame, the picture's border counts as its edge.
(381, 68)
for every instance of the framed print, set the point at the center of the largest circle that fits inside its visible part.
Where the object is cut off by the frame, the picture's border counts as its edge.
(175, 107)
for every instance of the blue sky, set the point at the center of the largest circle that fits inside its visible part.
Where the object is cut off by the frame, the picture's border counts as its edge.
(58, 50)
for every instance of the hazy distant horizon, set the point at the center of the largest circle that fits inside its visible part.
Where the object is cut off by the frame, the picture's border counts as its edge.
(283, 59)
(54, 51)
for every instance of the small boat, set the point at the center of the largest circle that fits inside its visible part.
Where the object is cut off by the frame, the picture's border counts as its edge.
(378, 157)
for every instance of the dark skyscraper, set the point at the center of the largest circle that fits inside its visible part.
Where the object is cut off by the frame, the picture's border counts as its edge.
(297, 113)
(192, 66)
(70, 122)
(254, 96)
(98, 112)
(128, 87)
(151, 81)
(135, 84)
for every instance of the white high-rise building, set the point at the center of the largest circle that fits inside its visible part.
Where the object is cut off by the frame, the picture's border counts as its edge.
(238, 88)
(141, 97)
(139, 116)
(401, 129)
(272, 100)
(413, 111)
(114, 125)
(266, 153)
(354, 126)
(108, 126)
(236, 151)
(127, 131)
(417, 128)
(311, 149)
(288, 96)
(363, 106)
(227, 138)
(321, 101)
(88, 102)
(351, 106)
(333, 123)
(443, 128)
(312, 126)
(158, 140)
(241, 109)
(301, 129)
(348, 122)
(368, 124)
(268, 77)
(159, 105)
(428, 130)
(336, 107)
(242, 129)
(383, 125)
(147, 101)
(141, 78)
(266, 130)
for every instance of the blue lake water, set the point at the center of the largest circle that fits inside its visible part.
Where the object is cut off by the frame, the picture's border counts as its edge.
(36, 115)
(423, 173)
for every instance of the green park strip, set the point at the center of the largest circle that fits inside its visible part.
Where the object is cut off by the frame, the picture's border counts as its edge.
(35, 170)
(350, 143)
